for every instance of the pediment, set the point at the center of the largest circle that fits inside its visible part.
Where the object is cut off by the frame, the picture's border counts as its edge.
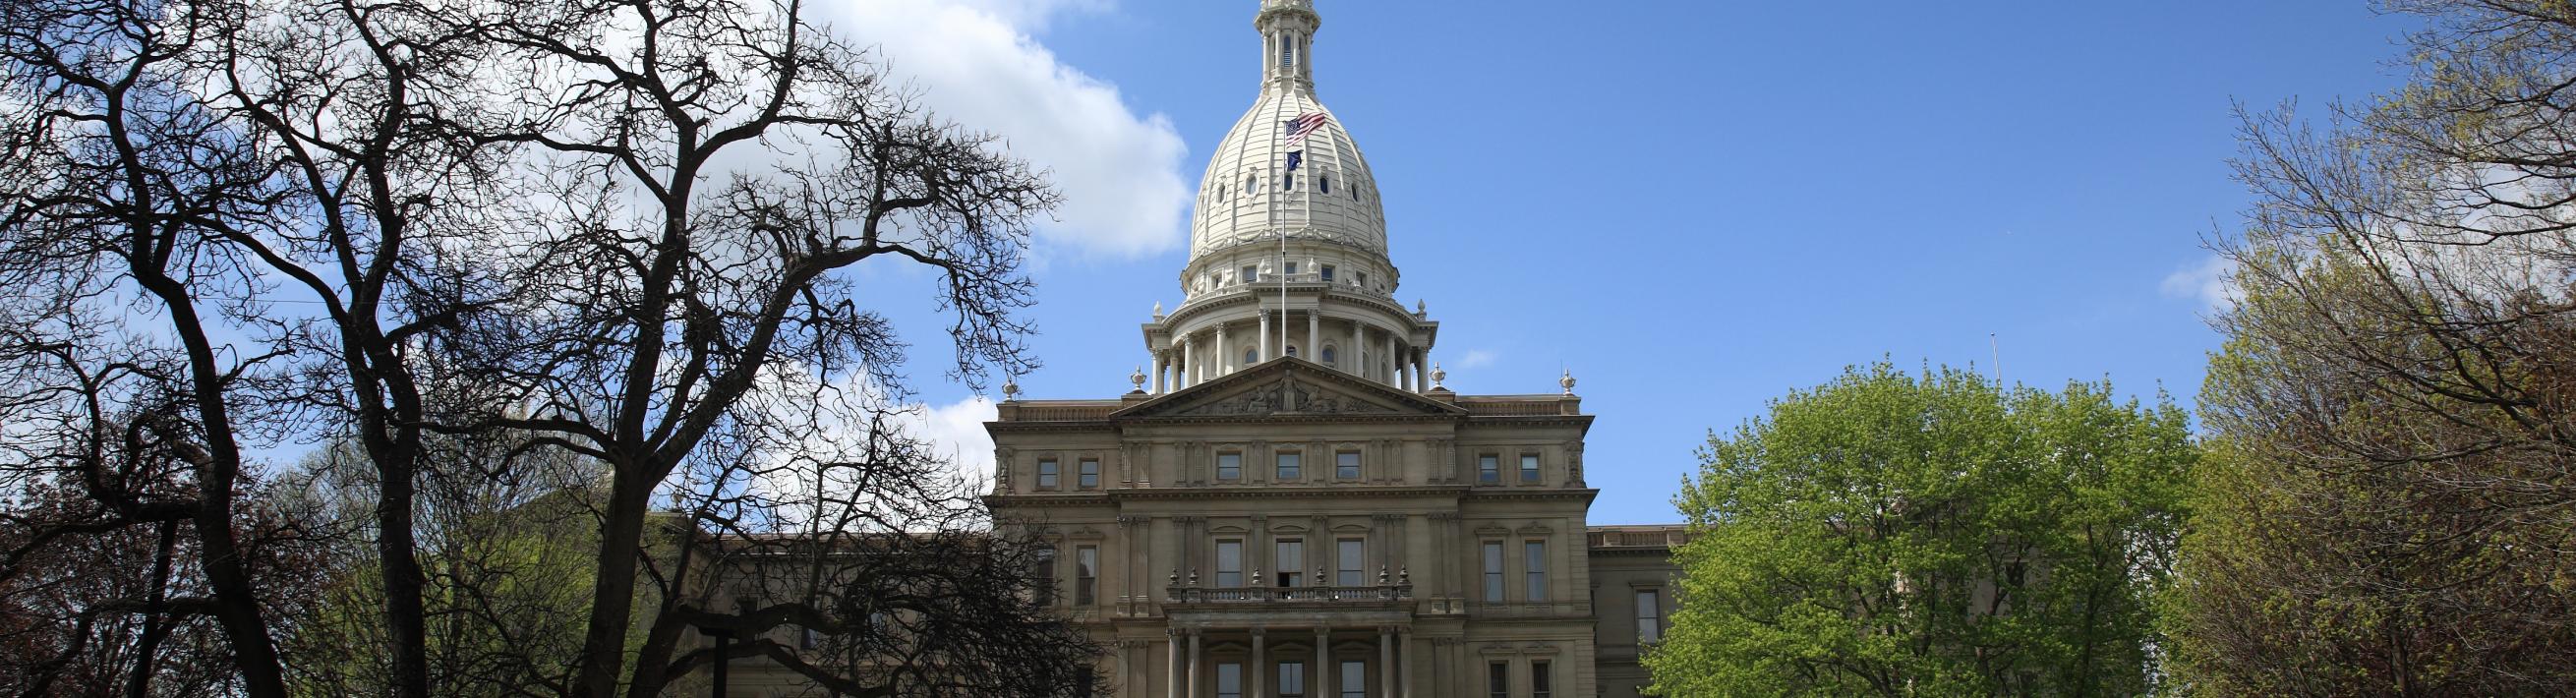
(1288, 387)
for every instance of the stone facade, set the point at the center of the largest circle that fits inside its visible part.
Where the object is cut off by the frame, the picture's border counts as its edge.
(1295, 506)
(1216, 536)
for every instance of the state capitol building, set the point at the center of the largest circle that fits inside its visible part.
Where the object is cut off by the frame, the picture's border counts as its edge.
(1291, 504)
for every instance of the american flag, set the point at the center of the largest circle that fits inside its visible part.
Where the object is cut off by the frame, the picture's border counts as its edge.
(1306, 124)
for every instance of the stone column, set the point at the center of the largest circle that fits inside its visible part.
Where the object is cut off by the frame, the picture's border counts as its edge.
(1224, 363)
(1390, 359)
(1192, 690)
(1351, 362)
(1315, 332)
(1386, 661)
(1172, 662)
(1404, 677)
(1182, 380)
(1162, 363)
(1265, 335)
(1421, 370)
(1254, 676)
(1323, 664)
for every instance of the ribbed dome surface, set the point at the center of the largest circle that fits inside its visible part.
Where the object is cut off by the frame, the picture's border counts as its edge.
(1248, 195)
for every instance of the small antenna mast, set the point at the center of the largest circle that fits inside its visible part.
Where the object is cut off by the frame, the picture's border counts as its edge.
(1998, 349)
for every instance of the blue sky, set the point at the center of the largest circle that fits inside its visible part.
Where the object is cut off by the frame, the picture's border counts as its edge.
(1694, 206)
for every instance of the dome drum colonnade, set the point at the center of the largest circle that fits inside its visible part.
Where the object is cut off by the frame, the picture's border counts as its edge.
(1288, 242)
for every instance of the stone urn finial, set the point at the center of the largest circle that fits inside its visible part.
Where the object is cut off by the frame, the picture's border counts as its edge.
(1256, 577)
(1420, 309)
(1010, 389)
(1158, 311)
(1437, 376)
(1567, 382)
(1138, 378)
(1381, 575)
(1176, 576)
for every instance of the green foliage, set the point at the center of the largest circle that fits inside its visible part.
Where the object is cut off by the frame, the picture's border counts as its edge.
(1893, 535)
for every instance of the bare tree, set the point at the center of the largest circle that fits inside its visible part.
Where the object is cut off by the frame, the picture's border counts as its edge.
(2392, 495)
(617, 232)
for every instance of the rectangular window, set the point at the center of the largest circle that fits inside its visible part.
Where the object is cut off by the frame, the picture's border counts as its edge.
(1498, 680)
(1540, 681)
(1089, 476)
(1229, 564)
(1289, 470)
(1252, 275)
(1229, 680)
(1346, 465)
(1489, 470)
(1529, 468)
(1290, 559)
(1650, 615)
(1086, 574)
(1534, 567)
(1292, 268)
(1328, 269)
(1292, 680)
(1349, 556)
(1045, 574)
(1229, 466)
(1354, 679)
(1494, 571)
(1046, 474)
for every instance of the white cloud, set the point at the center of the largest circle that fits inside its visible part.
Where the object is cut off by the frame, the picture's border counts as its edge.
(976, 63)
(2210, 281)
(956, 431)
(1478, 358)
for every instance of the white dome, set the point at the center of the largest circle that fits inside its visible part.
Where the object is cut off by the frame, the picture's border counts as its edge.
(1249, 195)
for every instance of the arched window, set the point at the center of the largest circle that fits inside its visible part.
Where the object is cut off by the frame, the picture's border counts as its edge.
(1328, 355)
(1288, 182)
(1324, 183)
(1251, 183)
(1251, 356)
(1292, 350)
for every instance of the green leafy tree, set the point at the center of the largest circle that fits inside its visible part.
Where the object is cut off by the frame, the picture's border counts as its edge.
(1888, 534)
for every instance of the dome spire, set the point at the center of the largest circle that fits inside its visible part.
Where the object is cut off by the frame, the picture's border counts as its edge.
(1287, 44)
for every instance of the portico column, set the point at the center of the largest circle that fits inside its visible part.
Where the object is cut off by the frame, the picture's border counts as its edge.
(1193, 690)
(1172, 662)
(1255, 674)
(1222, 360)
(1265, 335)
(1404, 681)
(1386, 661)
(1323, 663)
(1162, 363)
